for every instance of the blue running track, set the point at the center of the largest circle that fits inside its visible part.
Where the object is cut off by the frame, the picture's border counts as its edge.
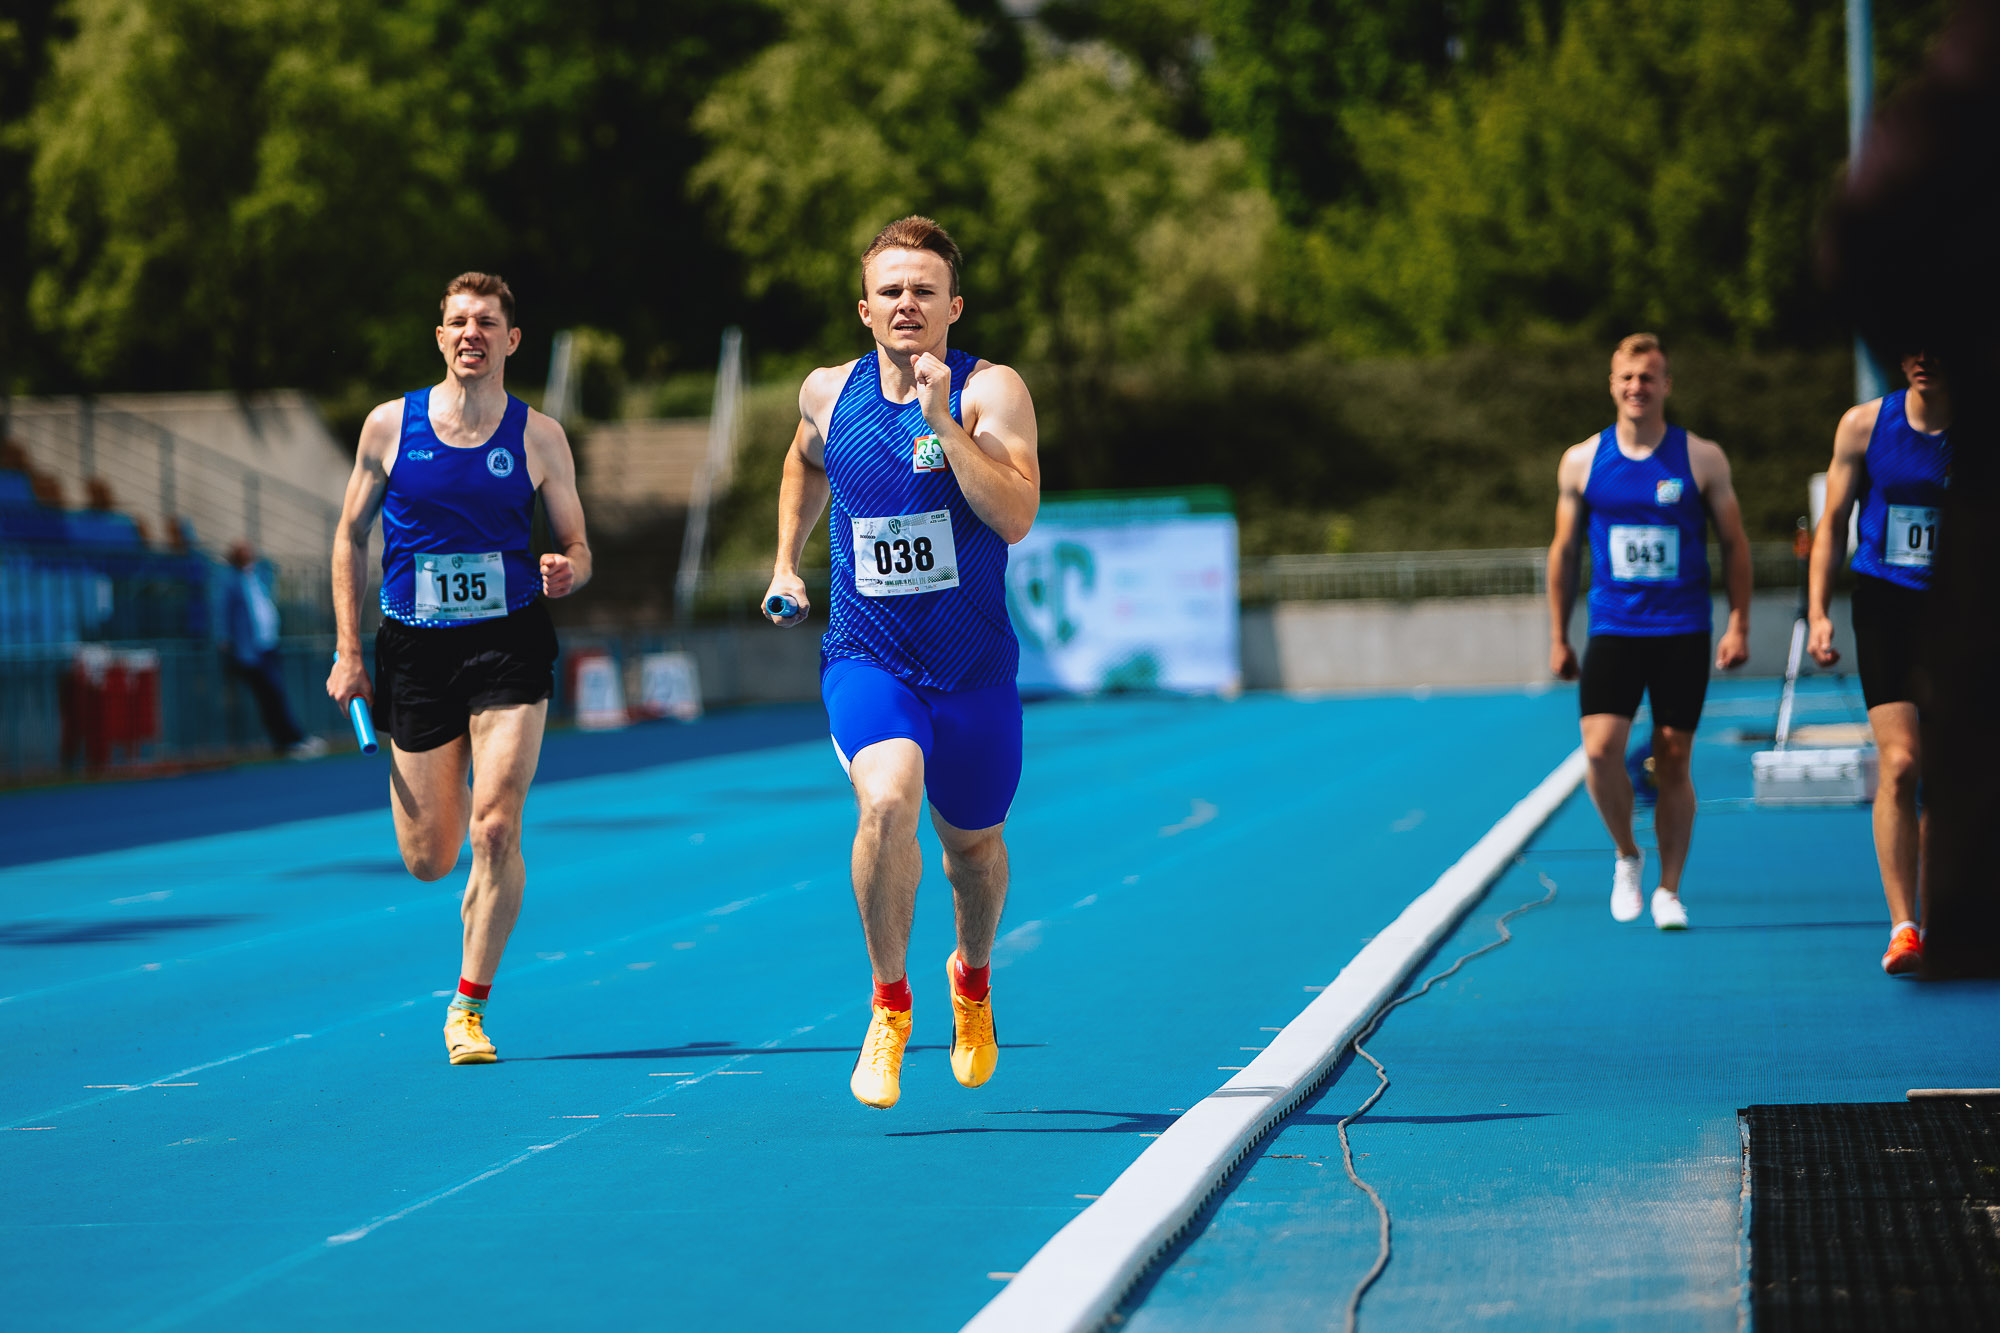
(226, 1102)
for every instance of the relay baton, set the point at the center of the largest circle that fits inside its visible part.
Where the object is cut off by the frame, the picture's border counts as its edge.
(781, 606)
(364, 725)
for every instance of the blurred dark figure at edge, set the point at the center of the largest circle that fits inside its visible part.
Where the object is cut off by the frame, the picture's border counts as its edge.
(250, 619)
(1910, 249)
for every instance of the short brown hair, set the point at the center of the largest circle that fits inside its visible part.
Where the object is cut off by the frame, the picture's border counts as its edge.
(481, 284)
(913, 233)
(1638, 344)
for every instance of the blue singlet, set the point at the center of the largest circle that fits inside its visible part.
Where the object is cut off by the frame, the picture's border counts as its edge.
(1648, 540)
(1904, 476)
(919, 582)
(464, 515)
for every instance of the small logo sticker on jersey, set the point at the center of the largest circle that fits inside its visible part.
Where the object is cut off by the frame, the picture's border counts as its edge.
(927, 455)
(419, 455)
(500, 463)
(1667, 492)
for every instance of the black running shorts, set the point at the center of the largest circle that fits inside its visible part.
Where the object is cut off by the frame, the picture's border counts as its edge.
(1672, 669)
(429, 681)
(1889, 629)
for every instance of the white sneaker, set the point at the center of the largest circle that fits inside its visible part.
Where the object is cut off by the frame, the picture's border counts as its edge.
(1668, 914)
(1625, 897)
(312, 747)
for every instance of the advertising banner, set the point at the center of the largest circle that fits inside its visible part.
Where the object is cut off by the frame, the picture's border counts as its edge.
(1127, 590)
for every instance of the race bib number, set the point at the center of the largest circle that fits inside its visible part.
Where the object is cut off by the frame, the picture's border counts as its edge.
(904, 554)
(1911, 535)
(1645, 554)
(461, 587)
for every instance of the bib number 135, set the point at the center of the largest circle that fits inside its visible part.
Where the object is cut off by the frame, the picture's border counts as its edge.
(461, 587)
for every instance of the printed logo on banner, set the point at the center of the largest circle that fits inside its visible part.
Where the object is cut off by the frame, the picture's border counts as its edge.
(1667, 492)
(500, 463)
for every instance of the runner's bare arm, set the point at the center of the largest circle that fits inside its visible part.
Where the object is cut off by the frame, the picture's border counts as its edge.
(994, 461)
(1711, 475)
(803, 492)
(1843, 486)
(373, 457)
(1565, 555)
(552, 469)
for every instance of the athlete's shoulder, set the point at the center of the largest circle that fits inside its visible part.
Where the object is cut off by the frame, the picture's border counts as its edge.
(821, 390)
(1857, 425)
(382, 428)
(1708, 462)
(541, 430)
(1575, 464)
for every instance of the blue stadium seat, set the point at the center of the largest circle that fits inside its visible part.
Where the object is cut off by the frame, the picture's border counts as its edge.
(92, 527)
(16, 492)
(31, 524)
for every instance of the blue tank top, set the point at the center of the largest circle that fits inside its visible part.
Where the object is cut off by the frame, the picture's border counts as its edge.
(919, 582)
(1648, 540)
(456, 523)
(1904, 476)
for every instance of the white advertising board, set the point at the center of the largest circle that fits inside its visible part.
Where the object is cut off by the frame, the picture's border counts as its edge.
(1127, 591)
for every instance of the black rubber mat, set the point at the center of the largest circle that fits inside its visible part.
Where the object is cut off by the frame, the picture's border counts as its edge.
(1872, 1216)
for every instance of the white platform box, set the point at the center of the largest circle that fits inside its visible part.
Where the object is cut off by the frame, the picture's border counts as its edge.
(1814, 777)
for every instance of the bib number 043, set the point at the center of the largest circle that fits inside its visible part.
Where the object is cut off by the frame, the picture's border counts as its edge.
(461, 587)
(1643, 553)
(904, 554)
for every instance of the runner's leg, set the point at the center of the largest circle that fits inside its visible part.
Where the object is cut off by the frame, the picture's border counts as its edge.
(1897, 835)
(429, 799)
(1610, 787)
(1673, 813)
(975, 861)
(506, 746)
(888, 779)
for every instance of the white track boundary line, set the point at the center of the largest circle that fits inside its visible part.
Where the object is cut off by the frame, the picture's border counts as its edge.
(1075, 1281)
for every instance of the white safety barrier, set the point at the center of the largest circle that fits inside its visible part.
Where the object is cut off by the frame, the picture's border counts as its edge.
(1076, 1280)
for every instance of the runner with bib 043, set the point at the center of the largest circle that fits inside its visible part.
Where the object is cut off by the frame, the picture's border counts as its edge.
(1641, 494)
(927, 455)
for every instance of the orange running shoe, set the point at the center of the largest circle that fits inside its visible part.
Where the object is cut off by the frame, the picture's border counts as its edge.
(974, 1048)
(877, 1080)
(1906, 953)
(466, 1040)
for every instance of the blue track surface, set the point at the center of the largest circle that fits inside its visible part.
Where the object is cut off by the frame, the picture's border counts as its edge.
(1559, 1146)
(226, 1102)
(223, 1050)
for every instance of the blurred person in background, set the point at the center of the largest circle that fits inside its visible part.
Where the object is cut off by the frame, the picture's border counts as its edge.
(1891, 456)
(250, 648)
(1641, 495)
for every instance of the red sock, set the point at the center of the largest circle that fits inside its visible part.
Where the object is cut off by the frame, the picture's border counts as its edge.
(472, 990)
(974, 983)
(893, 994)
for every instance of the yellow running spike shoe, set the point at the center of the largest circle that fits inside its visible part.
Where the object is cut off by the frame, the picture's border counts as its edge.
(878, 1073)
(974, 1049)
(465, 1037)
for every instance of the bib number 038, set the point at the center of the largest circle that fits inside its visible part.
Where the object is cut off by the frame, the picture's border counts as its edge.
(461, 587)
(902, 554)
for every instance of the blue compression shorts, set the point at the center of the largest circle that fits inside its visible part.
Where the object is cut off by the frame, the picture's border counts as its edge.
(971, 739)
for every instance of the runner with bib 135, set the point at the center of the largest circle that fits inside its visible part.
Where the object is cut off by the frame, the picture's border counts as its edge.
(1643, 493)
(927, 455)
(1892, 456)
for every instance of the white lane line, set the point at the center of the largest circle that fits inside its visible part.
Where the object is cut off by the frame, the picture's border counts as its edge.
(1075, 1281)
(278, 1268)
(513, 974)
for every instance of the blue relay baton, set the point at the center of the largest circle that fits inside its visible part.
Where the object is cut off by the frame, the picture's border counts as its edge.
(364, 725)
(781, 606)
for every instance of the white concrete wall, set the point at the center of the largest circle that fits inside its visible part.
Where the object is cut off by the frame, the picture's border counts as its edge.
(1455, 641)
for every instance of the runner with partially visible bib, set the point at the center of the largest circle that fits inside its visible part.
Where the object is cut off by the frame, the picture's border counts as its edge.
(1893, 456)
(1641, 494)
(927, 455)
(465, 656)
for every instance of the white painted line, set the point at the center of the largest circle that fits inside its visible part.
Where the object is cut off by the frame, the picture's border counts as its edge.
(1076, 1280)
